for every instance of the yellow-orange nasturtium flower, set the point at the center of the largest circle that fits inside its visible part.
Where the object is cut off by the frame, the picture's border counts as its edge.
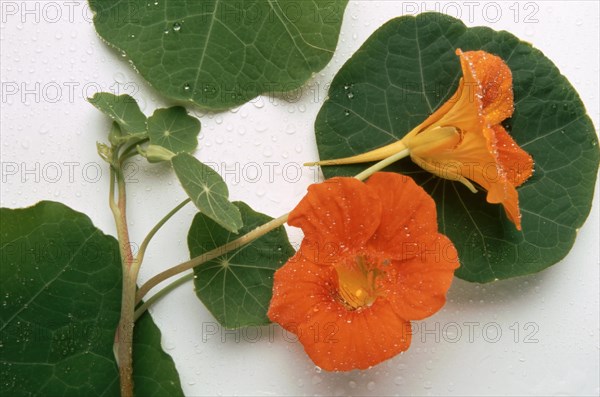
(463, 140)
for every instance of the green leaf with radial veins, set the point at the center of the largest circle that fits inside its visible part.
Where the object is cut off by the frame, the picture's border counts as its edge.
(219, 54)
(61, 294)
(174, 129)
(207, 190)
(123, 109)
(406, 70)
(237, 287)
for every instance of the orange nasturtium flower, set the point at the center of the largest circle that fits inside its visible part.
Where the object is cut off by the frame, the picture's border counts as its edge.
(371, 261)
(463, 139)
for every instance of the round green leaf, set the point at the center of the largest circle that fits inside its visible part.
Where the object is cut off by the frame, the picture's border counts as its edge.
(174, 129)
(61, 294)
(219, 54)
(237, 287)
(406, 70)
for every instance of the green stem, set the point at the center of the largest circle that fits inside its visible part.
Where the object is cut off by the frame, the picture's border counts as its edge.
(124, 335)
(160, 294)
(382, 164)
(131, 150)
(144, 245)
(111, 194)
(249, 237)
(212, 254)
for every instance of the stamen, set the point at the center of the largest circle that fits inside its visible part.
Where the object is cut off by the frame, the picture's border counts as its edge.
(357, 282)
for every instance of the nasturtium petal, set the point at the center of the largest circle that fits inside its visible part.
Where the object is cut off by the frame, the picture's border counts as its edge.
(237, 286)
(332, 212)
(404, 72)
(207, 190)
(174, 130)
(220, 54)
(406, 216)
(124, 110)
(61, 294)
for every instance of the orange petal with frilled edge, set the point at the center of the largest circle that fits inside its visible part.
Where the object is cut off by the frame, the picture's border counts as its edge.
(340, 340)
(417, 288)
(337, 339)
(499, 189)
(408, 217)
(516, 163)
(298, 287)
(503, 192)
(343, 211)
(494, 80)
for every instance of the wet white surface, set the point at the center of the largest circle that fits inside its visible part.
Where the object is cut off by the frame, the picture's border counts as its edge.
(532, 335)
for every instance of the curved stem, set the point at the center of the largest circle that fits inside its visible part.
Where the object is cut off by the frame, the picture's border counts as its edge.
(160, 294)
(247, 238)
(131, 150)
(144, 245)
(212, 254)
(382, 164)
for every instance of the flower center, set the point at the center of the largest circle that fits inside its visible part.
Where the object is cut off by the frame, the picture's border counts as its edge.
(357, 282)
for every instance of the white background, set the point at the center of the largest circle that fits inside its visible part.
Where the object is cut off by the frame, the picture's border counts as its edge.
(560, 305)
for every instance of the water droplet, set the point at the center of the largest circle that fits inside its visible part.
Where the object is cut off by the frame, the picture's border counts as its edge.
(119, 78)
(169, 346)
(186, 87)
(429, 365)
(259, 103)
(398, 380)
(371, 386)
(176, 27)
(346, 112)
(290, 129)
